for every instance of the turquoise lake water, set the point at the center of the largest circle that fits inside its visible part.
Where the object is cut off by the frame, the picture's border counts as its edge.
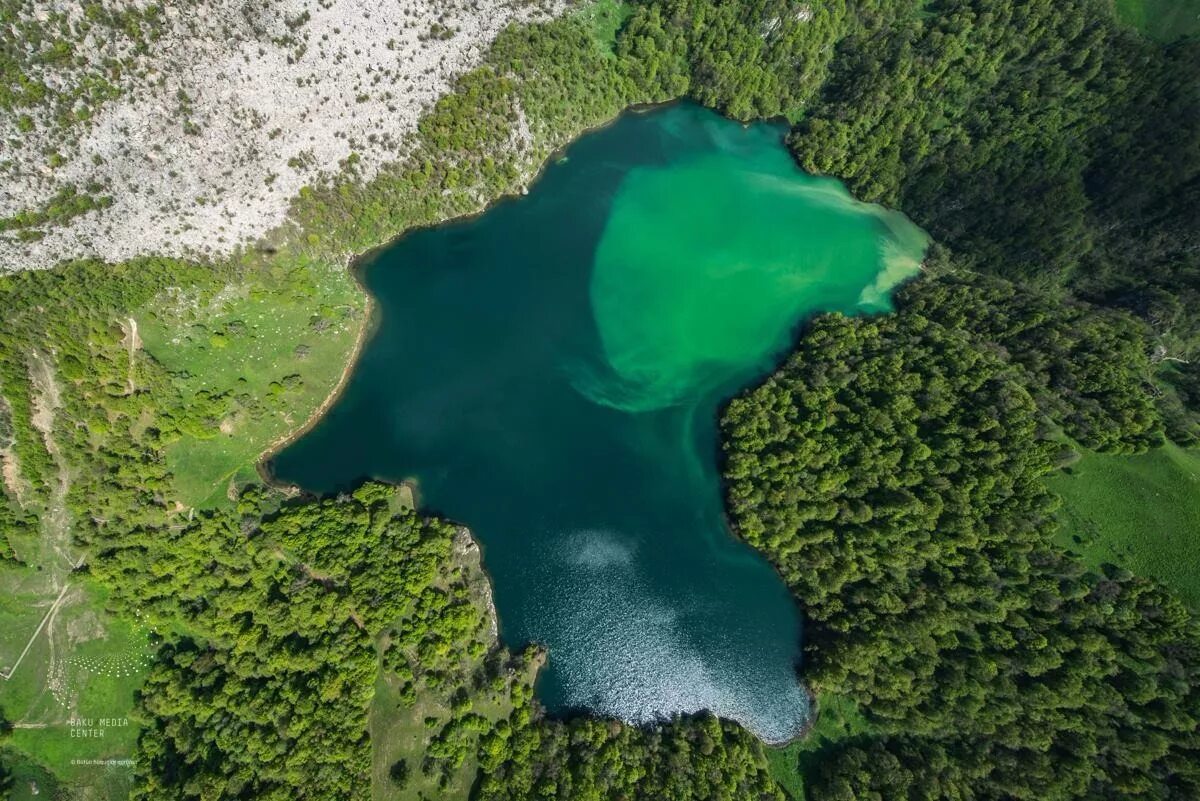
(550, 372)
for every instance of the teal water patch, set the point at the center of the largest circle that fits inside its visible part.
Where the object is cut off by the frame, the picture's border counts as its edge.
(550, 372)
(705, 267)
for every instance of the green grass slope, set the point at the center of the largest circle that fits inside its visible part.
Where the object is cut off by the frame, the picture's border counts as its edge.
(1141, 512)
(1162, 20)
(604, 18)
(838, 718)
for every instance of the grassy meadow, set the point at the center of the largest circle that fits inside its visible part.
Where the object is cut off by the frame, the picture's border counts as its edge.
(71, 700)
(401, 732)
(604, 18)
(30, 780)
(1162, 20)
(1141, 512)
(838, 718)
(264, 354)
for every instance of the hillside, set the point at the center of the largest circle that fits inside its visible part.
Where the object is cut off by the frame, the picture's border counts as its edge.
(134, 128)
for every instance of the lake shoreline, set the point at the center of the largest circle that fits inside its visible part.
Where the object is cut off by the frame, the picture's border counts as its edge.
(358, 456)
(367, 328)
(356, 263)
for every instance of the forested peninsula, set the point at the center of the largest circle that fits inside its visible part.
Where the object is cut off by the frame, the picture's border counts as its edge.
(896, 470)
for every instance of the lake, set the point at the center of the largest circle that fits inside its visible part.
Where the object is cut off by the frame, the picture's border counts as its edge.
(550, 373)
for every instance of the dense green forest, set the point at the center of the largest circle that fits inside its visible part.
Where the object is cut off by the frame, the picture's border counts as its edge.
(893, 469)
(1041, 143)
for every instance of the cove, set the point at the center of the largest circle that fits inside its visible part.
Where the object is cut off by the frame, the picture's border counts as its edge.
(550, 372)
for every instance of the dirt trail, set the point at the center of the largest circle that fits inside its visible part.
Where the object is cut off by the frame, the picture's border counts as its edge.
(47, 400)
(10, 468)
(133, 343)
(56, 549)
(7, 674)
(12, 475)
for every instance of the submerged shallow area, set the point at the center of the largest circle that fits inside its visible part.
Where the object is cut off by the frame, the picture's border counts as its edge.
(549, 373)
